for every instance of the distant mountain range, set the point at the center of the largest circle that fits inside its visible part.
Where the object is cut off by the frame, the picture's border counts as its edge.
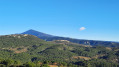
(48, 37)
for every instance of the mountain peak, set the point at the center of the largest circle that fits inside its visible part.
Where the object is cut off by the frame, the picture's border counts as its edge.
(36, 33)
(31, 30)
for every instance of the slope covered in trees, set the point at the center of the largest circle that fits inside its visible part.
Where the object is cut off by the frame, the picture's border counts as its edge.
(29, 51)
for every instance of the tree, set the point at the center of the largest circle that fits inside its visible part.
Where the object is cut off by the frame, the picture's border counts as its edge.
(8, 62)
(45, 65)
(17, 63)
(30, 64)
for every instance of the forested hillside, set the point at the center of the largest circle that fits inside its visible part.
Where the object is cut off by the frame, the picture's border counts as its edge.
(29, 51)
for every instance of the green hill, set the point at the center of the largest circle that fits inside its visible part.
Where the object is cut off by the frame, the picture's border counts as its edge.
(29, 49)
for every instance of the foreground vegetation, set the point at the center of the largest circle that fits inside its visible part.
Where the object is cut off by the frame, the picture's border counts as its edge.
(30, 51)
(91, 63)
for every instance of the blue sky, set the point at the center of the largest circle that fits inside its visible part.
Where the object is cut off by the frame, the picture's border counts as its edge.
(98, 19)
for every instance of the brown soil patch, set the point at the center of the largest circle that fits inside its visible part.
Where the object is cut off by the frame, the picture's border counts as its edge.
(97, 56)
(81, 57)
(53, 65)
(108, 48)
(19, 49)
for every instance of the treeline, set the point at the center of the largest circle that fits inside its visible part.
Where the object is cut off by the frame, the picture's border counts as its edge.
(90, 63)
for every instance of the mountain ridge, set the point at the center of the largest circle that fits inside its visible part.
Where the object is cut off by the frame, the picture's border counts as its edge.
(48, 37)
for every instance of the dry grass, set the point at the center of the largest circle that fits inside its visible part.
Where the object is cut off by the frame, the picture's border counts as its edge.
(81, 57)
(22, 49)
(53, 65)
(108, 48)
(97, 56)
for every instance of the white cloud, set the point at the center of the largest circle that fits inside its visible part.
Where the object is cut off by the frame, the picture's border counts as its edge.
(82, 28)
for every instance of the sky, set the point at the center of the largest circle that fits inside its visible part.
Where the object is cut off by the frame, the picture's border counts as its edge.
(81, 19)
